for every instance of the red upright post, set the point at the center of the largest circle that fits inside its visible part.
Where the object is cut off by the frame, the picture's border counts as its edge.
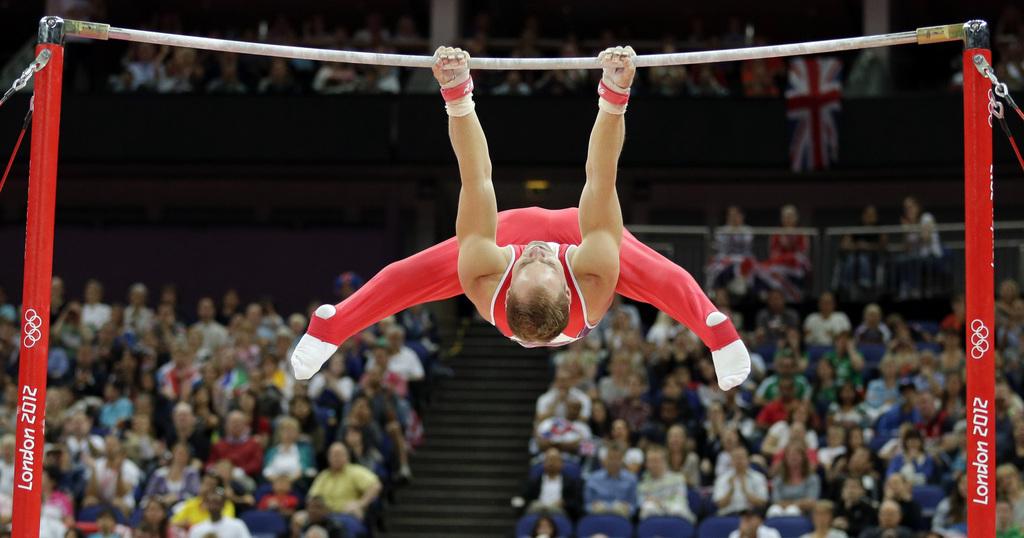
(979, 259)
(42, 192)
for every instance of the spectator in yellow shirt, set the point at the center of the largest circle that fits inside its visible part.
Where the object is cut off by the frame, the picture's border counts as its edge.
(345, 487)
(193, 511)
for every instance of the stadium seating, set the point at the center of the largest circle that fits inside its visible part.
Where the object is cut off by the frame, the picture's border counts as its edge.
(264, 523)
(928, 497)
(610, 525)
(90, 513)
(791, 526)
(718, 526)
(664, 527)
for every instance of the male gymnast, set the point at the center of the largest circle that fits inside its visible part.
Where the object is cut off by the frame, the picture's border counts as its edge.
(541, 277)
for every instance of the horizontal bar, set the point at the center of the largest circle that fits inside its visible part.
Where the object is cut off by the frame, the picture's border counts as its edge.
(104, 31)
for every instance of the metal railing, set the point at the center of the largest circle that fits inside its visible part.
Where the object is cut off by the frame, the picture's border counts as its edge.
(693, 248)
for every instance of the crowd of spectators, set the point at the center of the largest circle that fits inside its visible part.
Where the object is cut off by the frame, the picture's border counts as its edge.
(867, 266)
(854, 421)
(164, 421)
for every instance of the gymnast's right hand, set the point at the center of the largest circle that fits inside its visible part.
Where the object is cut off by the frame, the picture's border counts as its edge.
(451, 66)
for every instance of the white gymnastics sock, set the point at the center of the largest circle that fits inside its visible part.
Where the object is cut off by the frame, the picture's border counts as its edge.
(732, 362)
(311, 352)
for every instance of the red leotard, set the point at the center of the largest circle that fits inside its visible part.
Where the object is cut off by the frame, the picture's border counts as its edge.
(644, 275)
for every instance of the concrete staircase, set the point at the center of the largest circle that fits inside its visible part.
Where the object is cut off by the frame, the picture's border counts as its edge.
(475, 457)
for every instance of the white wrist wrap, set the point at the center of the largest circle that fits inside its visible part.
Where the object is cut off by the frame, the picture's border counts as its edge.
(611, 108)
(460, 107)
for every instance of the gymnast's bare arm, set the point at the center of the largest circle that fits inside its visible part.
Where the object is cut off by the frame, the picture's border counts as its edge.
(481, 262)
(596, 261)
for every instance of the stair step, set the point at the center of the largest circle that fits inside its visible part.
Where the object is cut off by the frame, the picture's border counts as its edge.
(466, 422)
(515, 471)
(466, 483)
(471, 456)
(486, 526)
(504, 374)
(474, 443)
(452, 510)
(445, 534)
(495, 351)
(473, 408)
(540, 385)
(427, 496)
(457, 393)
(459, 431)
(490, 360)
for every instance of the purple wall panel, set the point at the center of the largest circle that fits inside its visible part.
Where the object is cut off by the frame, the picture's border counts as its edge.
(292, 266)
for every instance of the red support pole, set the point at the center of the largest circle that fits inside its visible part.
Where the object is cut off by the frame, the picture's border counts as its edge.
(32, 362)
(979, 258)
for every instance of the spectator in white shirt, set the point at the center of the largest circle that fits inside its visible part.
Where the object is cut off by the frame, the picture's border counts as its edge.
(821, 327)
(138, 318)
(404, 361)
(94, 312)
(332, 379)
(214, 334)
(218, 525)
(113, 478)
(662, 492)
(752, 526)
(553, 402)
(742, 489)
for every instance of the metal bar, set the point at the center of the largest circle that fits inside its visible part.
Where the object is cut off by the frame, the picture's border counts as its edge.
(105, 31)
(661, 229)
(949, 227)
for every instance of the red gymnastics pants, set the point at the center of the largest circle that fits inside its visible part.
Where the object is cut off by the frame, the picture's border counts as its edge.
(432, 275)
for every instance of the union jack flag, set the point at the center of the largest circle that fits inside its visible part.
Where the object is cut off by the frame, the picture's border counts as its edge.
(812, 107)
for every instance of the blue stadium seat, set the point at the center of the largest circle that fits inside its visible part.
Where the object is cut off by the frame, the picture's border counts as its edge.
(610, 525)
(928, 497)
(264, 523)
(923, 326)
(814, 353)
(790, 526)
(767, 352)
(718, 526)
(696, 502)
(262, 490)
(664, 527)
(570, 468)
(929, 346)
(90, 513)
(354, 526)
(872, 353)
(524, 527)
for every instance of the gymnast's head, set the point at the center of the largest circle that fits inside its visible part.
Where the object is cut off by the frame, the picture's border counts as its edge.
(537, 305)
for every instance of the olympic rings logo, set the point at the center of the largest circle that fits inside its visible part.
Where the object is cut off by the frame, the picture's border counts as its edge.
(979, 339)
(33, 323)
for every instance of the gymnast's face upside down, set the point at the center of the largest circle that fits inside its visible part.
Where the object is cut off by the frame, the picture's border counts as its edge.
(537, 305)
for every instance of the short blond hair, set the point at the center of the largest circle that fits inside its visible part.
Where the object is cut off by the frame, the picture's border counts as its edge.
(538, 317)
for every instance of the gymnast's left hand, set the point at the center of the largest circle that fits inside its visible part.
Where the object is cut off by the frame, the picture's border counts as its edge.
(618, 66)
